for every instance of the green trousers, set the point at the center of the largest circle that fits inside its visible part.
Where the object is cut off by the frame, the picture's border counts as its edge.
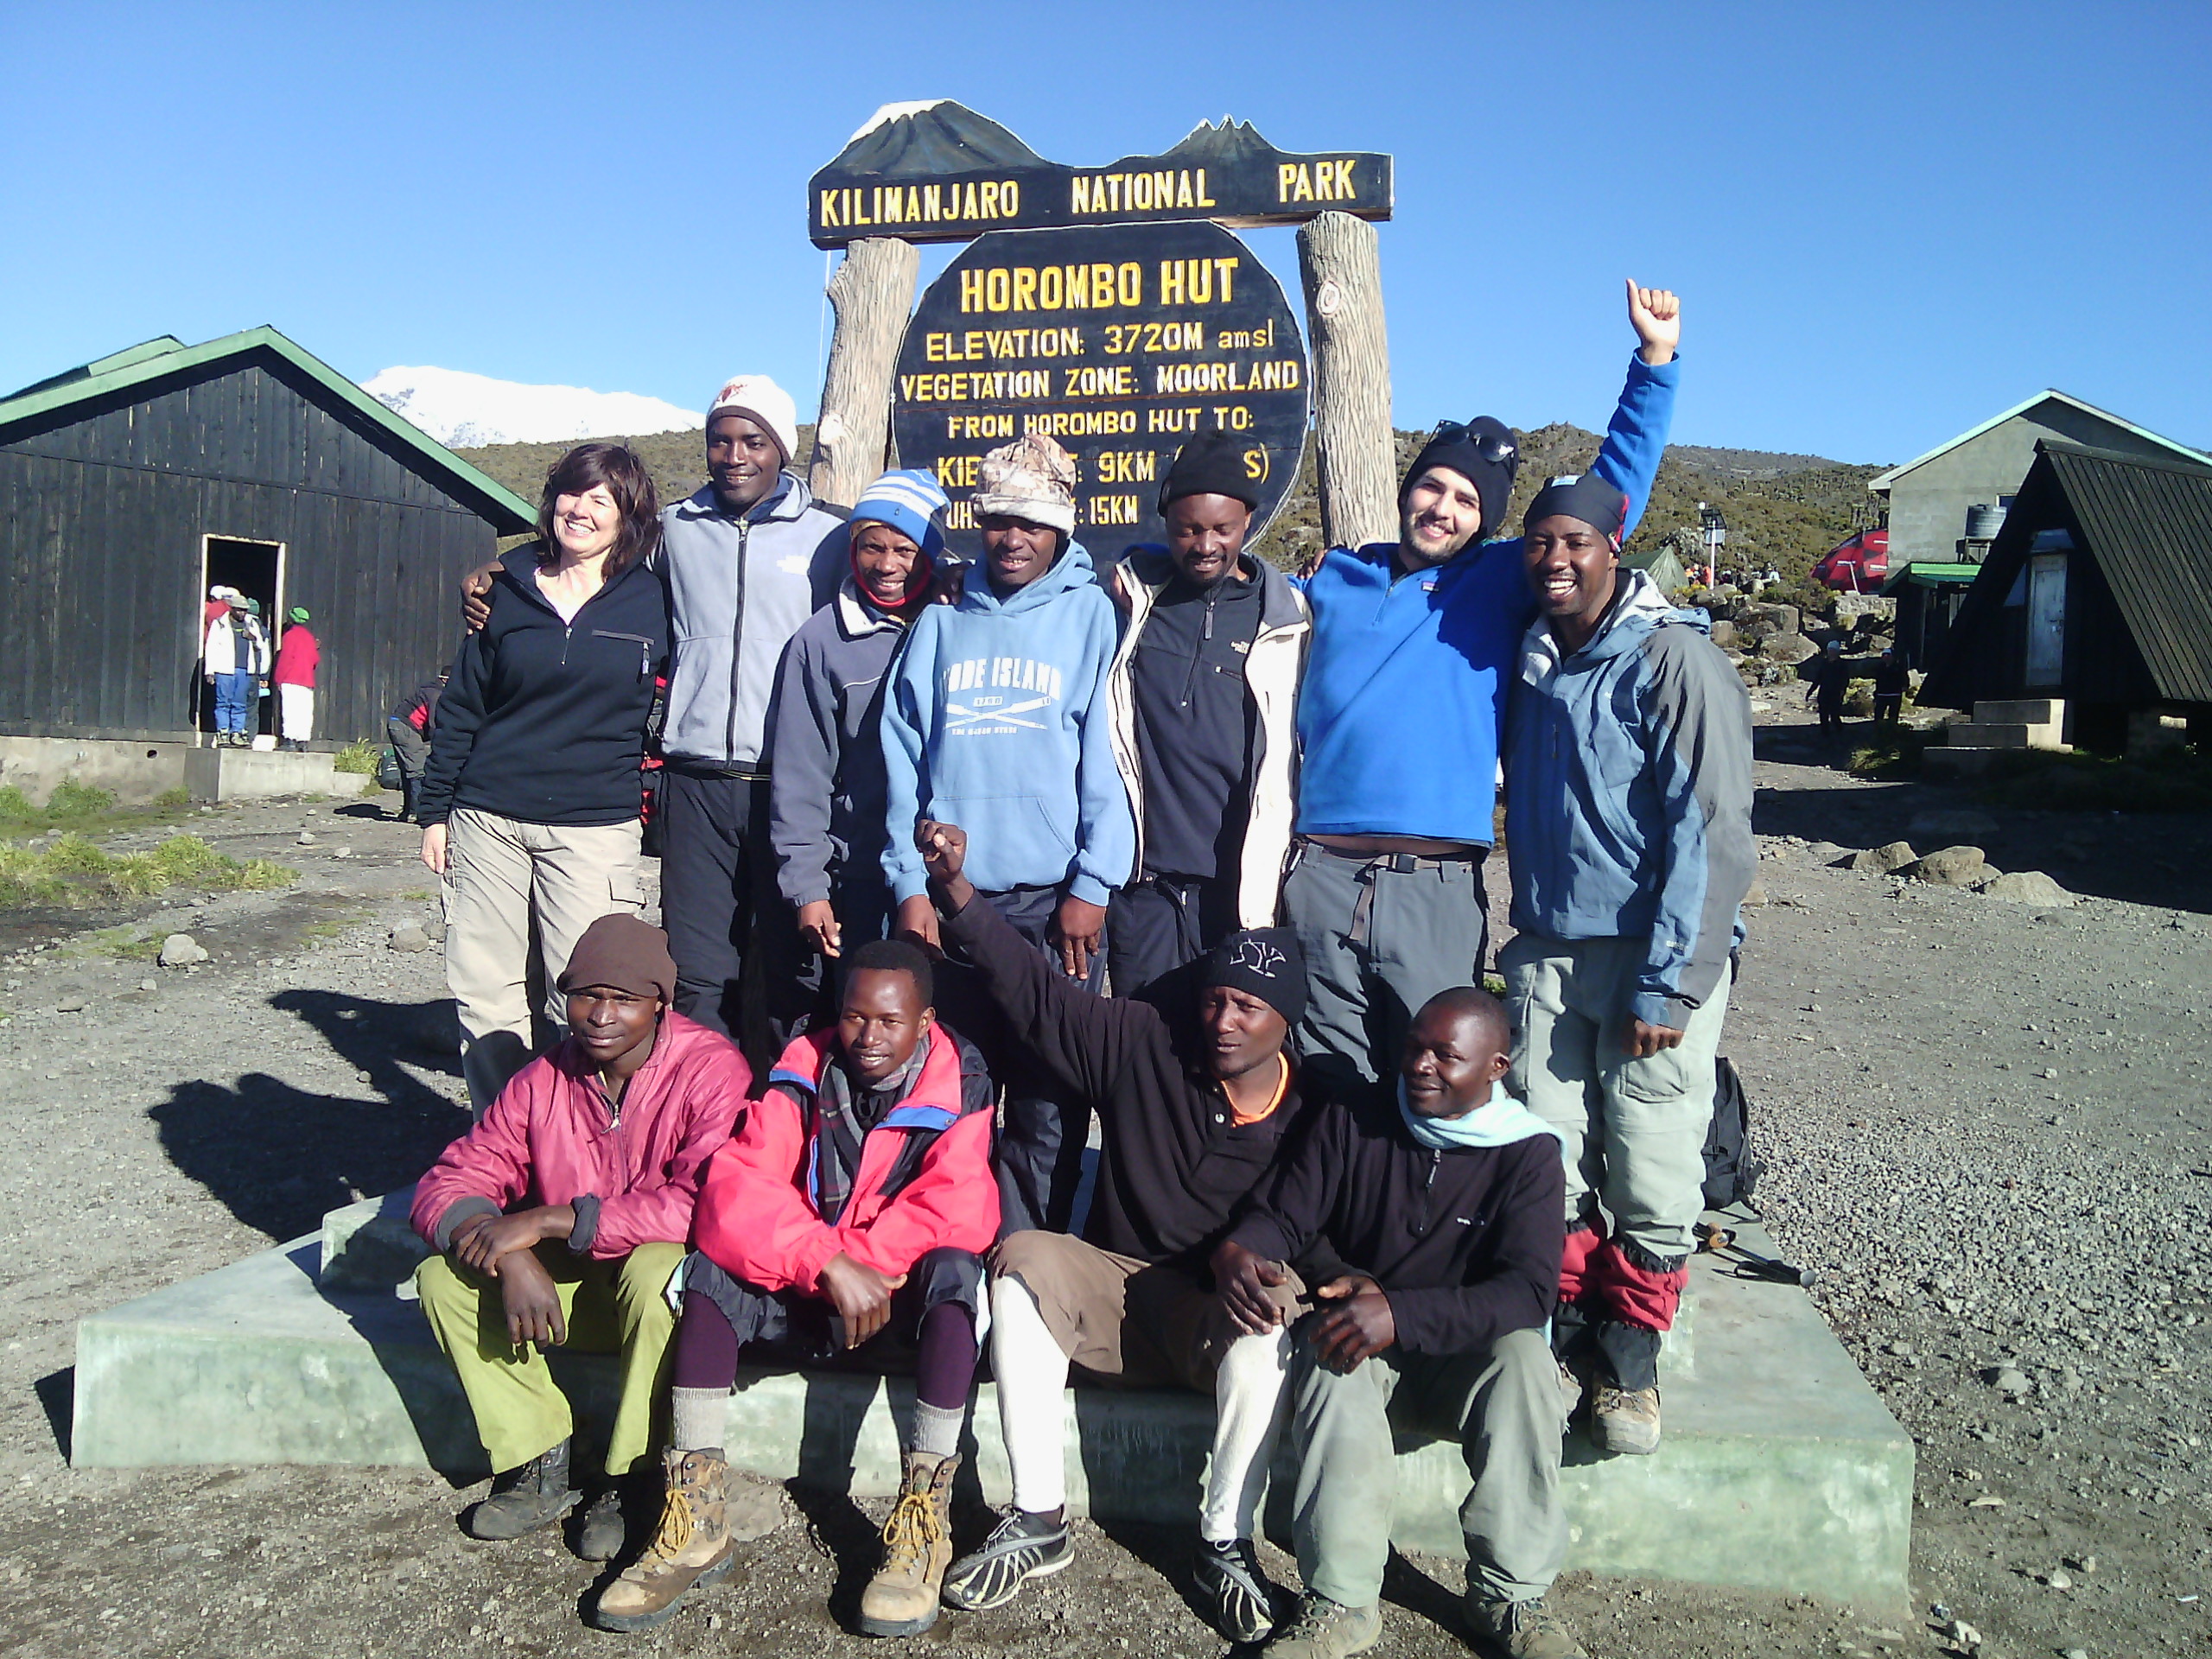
(611, 1307)
(1505, 1409)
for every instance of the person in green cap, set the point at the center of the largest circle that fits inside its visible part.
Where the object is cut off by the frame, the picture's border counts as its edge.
(298, 651)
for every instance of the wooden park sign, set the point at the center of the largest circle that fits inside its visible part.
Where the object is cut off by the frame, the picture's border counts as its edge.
(1106, 307)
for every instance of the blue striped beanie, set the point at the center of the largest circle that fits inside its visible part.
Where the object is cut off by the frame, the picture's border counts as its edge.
(909, 502)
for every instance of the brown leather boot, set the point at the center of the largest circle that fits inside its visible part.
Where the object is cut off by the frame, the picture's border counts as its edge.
(692, 1546)
(902, 1598)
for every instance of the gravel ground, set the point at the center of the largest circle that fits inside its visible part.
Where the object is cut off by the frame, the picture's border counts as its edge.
(1986, 1128)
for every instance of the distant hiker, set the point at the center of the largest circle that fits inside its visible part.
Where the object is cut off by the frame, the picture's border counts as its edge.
(529, 804)
(746, 560)
(559, 1219)
(849, 1217)
(1891, 681)
(1827, 679)
(1195, 1102)
(298, 653)
(1413, 650)
(827, 799)
(235, 656)
(1437, 1197)
(409, 724)
(1628, 784)
(996, 718)
(1204, 697)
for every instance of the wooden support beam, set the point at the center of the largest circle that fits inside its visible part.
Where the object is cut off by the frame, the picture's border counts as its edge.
(1341, 264)
(873, 294)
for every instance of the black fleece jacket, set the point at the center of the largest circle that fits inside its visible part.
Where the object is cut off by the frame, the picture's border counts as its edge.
(1174, 1167)
(1466, 1243)
(544, 720)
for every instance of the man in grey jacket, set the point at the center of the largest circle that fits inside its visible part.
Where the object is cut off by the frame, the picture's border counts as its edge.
(748, 559)
(1628, 822)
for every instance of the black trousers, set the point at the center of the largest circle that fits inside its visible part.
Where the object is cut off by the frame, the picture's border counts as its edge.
(1039, 1156)
(1160, 922)
(734, 940)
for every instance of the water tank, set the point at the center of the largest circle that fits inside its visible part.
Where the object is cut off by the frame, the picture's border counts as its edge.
(1984, 521)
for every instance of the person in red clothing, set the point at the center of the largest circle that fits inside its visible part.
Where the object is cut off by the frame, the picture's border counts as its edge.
(849, 1213)
(298, 652)
(561, 1217)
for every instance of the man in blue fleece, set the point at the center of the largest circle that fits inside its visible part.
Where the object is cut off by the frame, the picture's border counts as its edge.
(1628, 784)
(996, 719)
(1399, 715)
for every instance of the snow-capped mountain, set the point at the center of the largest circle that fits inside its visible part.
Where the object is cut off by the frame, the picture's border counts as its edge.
(464, 410)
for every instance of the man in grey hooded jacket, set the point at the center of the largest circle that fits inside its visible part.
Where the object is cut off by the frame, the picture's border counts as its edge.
(1628, 776)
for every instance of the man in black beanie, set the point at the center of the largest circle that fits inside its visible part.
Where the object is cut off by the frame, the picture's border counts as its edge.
(1197, 1095)
(1203, 696)
(1399, 718)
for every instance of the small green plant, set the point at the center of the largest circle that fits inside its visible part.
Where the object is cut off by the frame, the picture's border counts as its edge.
(75, 872)
(1899, 757)
(71, 799)
(15, 806)
(360, 755)
(173, 800)
(2053, 782)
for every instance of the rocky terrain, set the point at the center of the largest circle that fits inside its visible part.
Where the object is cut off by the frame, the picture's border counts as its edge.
(1985, 1124)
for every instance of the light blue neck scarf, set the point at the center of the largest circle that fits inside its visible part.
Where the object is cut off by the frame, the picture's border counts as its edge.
(1499, 1122)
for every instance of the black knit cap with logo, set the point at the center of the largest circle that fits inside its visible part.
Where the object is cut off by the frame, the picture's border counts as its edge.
(1213, 464)
(1261, 961)
(1483, 452)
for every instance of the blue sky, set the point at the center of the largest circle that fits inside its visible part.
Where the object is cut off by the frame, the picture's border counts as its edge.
(1887, 222)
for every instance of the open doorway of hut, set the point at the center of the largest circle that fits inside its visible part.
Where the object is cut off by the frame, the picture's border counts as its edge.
(256, 570)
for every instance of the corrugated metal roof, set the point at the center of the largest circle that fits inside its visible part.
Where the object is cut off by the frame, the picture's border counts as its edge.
(2149, 527)
(1929, 574)
(157, 359)
(1881, 481)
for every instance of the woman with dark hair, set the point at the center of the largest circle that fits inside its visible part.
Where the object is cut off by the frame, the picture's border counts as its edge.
(530, 802)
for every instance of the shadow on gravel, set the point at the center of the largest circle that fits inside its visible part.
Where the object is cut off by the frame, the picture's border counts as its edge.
(57, 1397)
(841, 1530)
(1169, 1551)
(280, 1158)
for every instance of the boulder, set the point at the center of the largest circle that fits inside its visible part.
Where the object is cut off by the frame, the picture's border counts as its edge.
(1883, 860)
(1725, 634)
(180, 950)
(1949, 866)
(1759, 620)
(2027, 887)
(1953, 824)
(1787, 648)
(410, 937)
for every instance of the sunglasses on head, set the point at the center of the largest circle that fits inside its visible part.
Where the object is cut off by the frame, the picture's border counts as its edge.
(1494, 448)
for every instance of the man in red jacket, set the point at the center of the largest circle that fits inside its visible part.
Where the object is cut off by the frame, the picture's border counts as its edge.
(852, 1210)
(560, 1218)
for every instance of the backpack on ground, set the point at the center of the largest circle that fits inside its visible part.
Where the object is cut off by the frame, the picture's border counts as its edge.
(1731, 1168)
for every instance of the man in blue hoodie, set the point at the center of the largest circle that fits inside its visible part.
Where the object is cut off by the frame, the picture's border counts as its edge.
(996, 719)
(1399, 713)
(1628, 777)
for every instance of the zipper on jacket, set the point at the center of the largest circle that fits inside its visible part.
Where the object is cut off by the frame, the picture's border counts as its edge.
(1429, 1189)
(737, 642)
(644, 648)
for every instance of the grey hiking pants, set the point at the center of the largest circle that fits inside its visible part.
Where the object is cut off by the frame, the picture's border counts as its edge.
(1381, 935)
(1505, 1410)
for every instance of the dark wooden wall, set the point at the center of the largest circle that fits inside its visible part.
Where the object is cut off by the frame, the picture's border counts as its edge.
(101, 519)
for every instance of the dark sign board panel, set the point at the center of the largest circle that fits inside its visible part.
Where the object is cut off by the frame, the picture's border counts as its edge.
(1120, 344)
(943, 174)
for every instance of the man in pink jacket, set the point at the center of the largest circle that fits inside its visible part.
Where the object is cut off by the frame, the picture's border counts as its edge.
(851, 1212)
(560, 1218)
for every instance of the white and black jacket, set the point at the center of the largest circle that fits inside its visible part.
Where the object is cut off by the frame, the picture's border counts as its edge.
(1273, 667)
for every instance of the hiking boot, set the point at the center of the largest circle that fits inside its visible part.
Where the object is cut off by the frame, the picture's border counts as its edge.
(599, 1534)
(1021, 1547)
(901, 1599)
(691, 1547)
(524, 1499)
(1239, 1600)
(1523, 1630)
(1625, 1422)
(1323, 1628)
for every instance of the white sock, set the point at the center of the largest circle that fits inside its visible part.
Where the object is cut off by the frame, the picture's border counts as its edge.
(1032, 1379)
(699, 1417)
(936, 1428)
(1249, 1399)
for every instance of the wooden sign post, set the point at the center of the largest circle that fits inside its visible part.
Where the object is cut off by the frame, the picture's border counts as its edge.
(1112, 317)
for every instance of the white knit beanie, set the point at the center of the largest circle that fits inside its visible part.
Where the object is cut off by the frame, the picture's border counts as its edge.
(764, 402)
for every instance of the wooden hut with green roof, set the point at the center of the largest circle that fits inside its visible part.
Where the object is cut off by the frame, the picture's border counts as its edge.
(131, 485)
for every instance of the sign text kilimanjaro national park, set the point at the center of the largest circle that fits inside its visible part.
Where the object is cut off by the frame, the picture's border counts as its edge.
(941, 172)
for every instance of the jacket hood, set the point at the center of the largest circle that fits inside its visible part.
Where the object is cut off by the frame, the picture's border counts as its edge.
(1072, 569)
(1639, 607)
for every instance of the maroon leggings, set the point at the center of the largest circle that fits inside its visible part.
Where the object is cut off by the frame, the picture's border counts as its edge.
(707, 1352)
